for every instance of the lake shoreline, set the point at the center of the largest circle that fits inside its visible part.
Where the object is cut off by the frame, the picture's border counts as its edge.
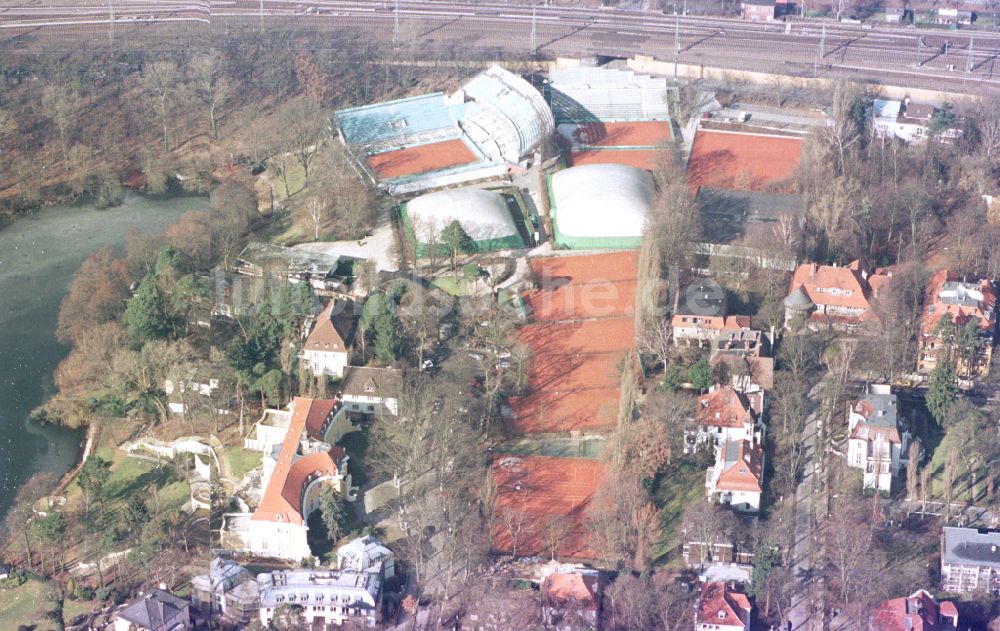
(37, 261)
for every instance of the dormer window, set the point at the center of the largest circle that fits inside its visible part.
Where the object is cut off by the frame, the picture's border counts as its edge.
(721, 615)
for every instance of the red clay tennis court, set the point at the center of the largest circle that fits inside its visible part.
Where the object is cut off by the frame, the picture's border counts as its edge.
(538, 494)
(646, 159)
(622, 134)
(421, 159)
(590, 286)
(582, 329)
(737, 160)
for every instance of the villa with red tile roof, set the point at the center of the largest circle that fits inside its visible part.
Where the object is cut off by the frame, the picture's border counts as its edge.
(295, 469)
(722, 609)
(736, 478)
(835, 296)
(327, 350)
(916, 612)
(962, 303)
(699, 315)
(725, 414)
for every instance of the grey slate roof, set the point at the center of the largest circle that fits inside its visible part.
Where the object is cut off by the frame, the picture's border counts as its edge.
(969, 546)
(884, 410)
(701, 298)
(158, 610)
(730, 215)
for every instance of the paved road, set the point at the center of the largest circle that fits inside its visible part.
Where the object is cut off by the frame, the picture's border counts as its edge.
(803, 613)
(913, 57)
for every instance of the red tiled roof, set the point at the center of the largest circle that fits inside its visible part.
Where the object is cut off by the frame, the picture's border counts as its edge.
(917, 612)
(851, 288)
(334, 328)
(719, 324)
(934, 309)
(723, 407)
(718, 605)
(571, 588)
(744, 474)
(283, 496)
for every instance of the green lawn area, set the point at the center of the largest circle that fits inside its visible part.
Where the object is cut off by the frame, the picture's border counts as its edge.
(25, 605)
(133, 475)
(243, 461)
(74, 608)
(296, 178)
(682, 486)
(452, 285)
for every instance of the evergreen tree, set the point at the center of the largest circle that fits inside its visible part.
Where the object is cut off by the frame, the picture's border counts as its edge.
(333, 509)
(700, 375)
(942, 390)
(458, 241)
(145, 318)
(93, 476)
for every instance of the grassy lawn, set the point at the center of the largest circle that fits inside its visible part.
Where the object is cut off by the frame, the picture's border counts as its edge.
(132, 475)
(296, 179)
(25, 605)
(451, 285)
(74, 608)
(682, 486)
(243, 461)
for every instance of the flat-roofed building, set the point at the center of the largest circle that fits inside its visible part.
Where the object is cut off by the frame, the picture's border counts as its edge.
(970, 560)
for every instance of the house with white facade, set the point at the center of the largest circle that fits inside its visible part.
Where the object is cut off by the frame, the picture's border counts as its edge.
(326, 597)
(878, 438)
(725, 415)
(294, 473)
(736, 478)
(970, 560)
(370, 391)
(366, 554)
(906, 120)
(722, 608)
(327, 349)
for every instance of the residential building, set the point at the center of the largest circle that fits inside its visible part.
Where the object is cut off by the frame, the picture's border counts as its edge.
(199, 391)
(369, 391)
(228, 590)
(970, 560)
(736, 478)
(758, 10)
(722, 608)
(906, 120)
(878, 438)
(954, 16)
(834, 296)
(724, 414)
(5, 571)
(327, 597)
(366, 554)
(327, 350)
(965, 304)
(916, 612)
(740, 358)
(895, 15)
(700, 315)
(156, 610)
(294, 473)
(571, 600)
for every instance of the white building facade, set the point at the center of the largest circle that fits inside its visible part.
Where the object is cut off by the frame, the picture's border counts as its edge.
(878, 439)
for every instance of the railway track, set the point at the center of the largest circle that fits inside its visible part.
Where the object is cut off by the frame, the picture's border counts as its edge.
(929, 58)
